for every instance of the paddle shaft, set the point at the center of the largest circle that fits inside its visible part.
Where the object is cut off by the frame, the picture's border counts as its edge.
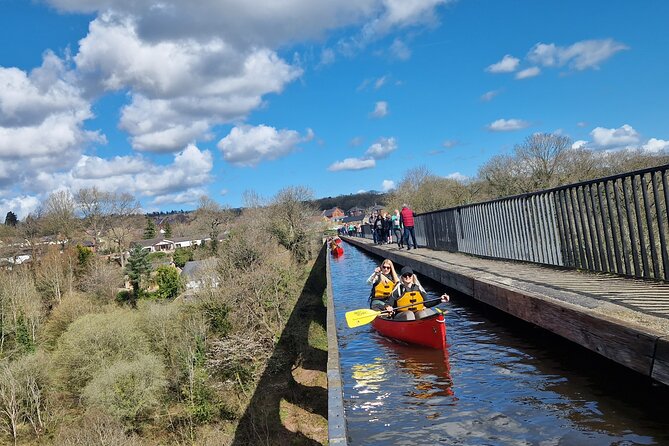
(411, 305)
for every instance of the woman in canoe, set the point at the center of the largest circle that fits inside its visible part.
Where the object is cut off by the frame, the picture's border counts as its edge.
(409, 293)
(383, 280)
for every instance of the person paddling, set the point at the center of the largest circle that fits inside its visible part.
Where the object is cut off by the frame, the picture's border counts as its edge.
(409, 293)
(383, 280)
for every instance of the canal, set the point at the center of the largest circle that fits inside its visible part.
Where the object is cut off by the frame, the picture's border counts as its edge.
(501, 382)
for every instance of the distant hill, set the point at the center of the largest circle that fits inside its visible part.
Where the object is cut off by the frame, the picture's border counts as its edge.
(363, 200)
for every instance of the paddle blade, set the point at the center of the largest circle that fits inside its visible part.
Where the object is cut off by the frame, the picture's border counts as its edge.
(360, 317)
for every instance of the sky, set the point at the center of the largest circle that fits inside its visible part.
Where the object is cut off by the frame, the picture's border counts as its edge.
(171, 100)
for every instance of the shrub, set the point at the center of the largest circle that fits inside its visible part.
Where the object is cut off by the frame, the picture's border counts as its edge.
(169, 282)
(95, 341)
(181, 256)
(128, 390)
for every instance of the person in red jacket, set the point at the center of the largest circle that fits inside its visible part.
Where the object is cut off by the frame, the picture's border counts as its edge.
(406, 218)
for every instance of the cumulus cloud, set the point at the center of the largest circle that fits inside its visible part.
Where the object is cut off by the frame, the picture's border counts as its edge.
(380, 109)
(387, 185)
(180, 88)
(528, 72)
(508, 64)
(382, 148)
(22, 206)
(507, 125)
(655, 145)
(248, 146)
(579, 56)
(352, 164)
(624, 136)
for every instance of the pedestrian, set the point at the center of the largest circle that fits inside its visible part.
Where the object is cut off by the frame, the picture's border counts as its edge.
(397, 228)
(406, 218)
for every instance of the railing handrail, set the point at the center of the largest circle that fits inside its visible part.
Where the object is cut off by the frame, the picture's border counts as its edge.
(663, 167)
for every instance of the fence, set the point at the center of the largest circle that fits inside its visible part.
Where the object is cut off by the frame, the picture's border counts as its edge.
(616, 224)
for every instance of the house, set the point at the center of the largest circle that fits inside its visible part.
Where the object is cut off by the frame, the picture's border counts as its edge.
(335, 214)
(163, 244)
(355, 211)
(200, 273)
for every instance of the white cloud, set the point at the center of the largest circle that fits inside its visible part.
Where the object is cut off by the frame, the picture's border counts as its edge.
(382, 148)
(654, 145)
(380, 82)
(507, 125)
(352, 164)
(579, 56)
(400, 50)
(489, 95)
(508, 64)
(248, 146)
(624, 136)
(380, 109)
(457, 176)
(387, 185)
(22, 206)
(580, 144)
(328, 56)
(450, 143)
(179, 88)
(355, 141)
(528, 72)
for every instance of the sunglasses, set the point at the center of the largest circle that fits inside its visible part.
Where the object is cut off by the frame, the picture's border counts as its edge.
(385, 267)
(407, 275)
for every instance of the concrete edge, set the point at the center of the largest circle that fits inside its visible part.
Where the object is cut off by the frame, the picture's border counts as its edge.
(643, 351)
(336, 417)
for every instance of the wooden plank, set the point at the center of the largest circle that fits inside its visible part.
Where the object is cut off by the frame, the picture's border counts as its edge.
(661, 365)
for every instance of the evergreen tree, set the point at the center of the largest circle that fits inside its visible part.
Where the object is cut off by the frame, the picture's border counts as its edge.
(150, 229)
(10, 219)
(168, 229)
(137, 268)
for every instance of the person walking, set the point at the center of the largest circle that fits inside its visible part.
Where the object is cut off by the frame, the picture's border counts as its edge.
(406, 218)
(397, 228)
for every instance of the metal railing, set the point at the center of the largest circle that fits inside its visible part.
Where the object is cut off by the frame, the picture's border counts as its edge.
(616, 224)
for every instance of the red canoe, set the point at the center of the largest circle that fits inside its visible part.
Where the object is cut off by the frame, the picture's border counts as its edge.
(428, 332)
(337, 251)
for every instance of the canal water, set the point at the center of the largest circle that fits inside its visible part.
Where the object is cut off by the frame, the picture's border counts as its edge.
(501, 382)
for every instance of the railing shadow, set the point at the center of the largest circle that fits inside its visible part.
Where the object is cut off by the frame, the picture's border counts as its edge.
(261, 423)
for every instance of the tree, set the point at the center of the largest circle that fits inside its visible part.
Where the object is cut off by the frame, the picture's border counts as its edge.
(58, 213)
(210, 217)
(169, 282)
(168, 229)
(181, 256)
(10, 219)
(290, 216)
(149, 229)
(137, 268)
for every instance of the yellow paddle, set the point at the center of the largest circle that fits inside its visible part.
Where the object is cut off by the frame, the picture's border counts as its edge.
(364, 316)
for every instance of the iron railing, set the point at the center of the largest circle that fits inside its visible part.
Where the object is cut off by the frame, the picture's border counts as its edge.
(616, 224)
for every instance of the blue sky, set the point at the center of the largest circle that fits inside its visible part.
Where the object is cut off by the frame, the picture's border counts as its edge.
(170, 102)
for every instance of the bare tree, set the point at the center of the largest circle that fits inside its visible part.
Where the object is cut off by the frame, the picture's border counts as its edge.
(58, 212)
(290, 216)
(211, 218)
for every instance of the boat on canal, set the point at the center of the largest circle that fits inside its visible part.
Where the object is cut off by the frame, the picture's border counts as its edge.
(336, 250)
(427, 332)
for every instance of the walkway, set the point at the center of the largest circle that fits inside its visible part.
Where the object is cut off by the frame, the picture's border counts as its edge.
(626, 320)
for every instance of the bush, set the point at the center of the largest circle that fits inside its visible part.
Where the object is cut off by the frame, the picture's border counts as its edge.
(128, 390)
(169, 282)
(94, 342)
(181, 256)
